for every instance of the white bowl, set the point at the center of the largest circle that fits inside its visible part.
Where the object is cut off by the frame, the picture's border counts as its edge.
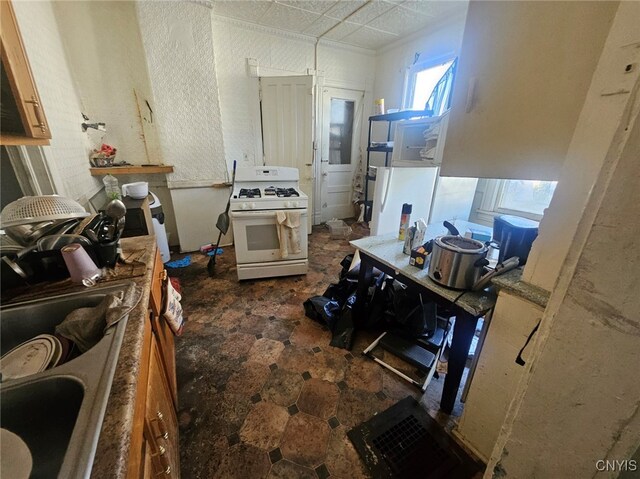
(138, 190)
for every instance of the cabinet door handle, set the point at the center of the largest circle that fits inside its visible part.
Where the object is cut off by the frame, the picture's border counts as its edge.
(165, 467)
(38, 112)
(162, 431)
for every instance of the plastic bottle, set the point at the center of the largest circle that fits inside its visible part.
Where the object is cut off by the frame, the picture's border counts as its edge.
(111, 187)
(405, 218)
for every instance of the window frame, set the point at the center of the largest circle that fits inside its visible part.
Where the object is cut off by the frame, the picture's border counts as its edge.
(487, 203)
(412, 73)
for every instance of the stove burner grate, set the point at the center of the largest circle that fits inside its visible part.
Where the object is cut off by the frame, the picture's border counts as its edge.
(249, 193)
(287, 192)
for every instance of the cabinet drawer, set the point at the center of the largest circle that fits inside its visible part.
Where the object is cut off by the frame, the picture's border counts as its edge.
(161, 425)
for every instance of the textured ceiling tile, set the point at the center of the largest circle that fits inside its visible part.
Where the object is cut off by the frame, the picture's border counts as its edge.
(369, 38)
(320, 26)
(250, 11)
(316, 6)
(344, 8)
(342, 31)
(372, 10)
(434, 9)
(288, 18)
(400, 21)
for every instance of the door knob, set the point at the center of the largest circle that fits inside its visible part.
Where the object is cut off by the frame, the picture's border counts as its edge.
(325, 174)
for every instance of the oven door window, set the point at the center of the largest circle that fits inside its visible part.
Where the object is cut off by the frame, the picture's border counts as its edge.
(262, 237)
(256, 237)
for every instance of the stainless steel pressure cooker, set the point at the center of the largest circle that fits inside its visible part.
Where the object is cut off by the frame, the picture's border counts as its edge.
(457, 262)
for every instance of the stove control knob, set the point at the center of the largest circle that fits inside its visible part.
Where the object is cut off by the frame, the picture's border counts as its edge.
(252, 206)
(286, 204)
(294, 204)
(244, 206)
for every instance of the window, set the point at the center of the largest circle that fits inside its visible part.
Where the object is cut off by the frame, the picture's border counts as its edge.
(429, 86)
(524, 198)
(341, 131)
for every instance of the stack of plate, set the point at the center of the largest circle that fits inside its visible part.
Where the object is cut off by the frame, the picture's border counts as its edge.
(31, 357)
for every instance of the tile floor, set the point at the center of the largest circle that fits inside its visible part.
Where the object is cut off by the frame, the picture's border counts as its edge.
(261, 392)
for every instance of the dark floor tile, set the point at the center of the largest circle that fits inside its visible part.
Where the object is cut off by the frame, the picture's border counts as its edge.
(348, 356)
(275, 455)
(381, 395)
(233, 439)
(258, 336)
(256, 398)
(286, 342)
(342, 385)
(322, 471)
(333, 422)
(293, 410)
(316, 349)
(306, 375)
(273, 367)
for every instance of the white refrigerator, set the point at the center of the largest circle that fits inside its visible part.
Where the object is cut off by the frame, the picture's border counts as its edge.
(433, 198)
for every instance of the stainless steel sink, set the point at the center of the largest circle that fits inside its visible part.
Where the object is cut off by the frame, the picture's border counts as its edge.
(59, 412)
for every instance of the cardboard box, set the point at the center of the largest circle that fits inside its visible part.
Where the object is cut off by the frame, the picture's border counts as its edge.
(418, 257)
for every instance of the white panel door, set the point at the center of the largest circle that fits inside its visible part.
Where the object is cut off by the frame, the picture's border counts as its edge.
(341, 126)
(287, 126)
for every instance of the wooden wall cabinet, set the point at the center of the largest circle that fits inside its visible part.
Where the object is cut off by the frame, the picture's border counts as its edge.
(23, 118)
(154, 441)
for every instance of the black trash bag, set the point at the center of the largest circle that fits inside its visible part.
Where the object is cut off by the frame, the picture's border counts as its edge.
(342, 334)
(379, 303)
(322, 310)
(346, 264)
(341, 291)
(336, 317)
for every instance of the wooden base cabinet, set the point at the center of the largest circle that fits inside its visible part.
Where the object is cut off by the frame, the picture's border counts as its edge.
(154, 441)
(160, 431)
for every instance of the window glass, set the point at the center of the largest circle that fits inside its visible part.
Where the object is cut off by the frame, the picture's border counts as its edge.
(262, 237)
(341, 131)
(528, 196)
(424, 83)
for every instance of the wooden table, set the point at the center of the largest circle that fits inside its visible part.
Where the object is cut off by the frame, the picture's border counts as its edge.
(385, 253)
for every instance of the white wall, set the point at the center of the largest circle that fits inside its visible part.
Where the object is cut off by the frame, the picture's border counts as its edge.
(177, 41)
(110, 72)
(587, 153)
(394, 60)
(577, 402)
(497, 375)
(277, 53)
(68, 153)
(178, 45)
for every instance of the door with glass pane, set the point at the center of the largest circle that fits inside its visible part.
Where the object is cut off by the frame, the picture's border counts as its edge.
(342, 120)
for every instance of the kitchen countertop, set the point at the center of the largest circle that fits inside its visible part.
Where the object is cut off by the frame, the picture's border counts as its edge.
(112, 452)
(388, 250)
(511, 281)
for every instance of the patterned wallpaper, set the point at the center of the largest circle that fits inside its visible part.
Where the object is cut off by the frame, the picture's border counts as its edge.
(177, 40)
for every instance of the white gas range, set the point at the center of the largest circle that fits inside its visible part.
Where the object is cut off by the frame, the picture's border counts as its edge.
(269, 218)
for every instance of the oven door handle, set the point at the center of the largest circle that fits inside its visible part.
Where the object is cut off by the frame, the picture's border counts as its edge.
(261, 214)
